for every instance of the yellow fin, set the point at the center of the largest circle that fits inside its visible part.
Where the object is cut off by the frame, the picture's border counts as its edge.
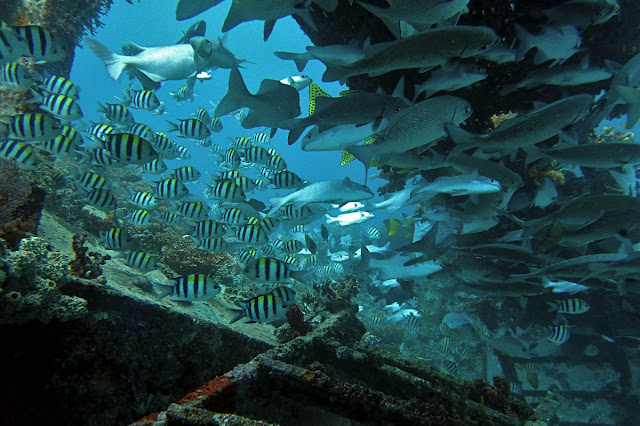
(372, 139)
(352, 92)
(394, 227)
(315, 91)
(404, 171)
(347, 157)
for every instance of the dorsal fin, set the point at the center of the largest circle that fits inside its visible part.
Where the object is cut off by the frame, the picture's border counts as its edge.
(315, 91)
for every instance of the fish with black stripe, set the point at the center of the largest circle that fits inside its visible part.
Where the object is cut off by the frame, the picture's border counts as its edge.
(208, 229)
(270, 270)
(168, 189)
(21, 153)
(227, 191)
(31, 127)
(115, 239)
(16, 77)
(129, 148)
(189, 288)
(286, 180)
(191, 128)
(101, 199)
(212, 245)
(155, 167)
(116, 113)
(186, 174)
(572, 306)
(90, 181)
(251, 234)
(61, 106)
(142, 260)
(60, 86)
(193, 209)
(266, 308)
(139, 218)
(140, 99)
(31, 41)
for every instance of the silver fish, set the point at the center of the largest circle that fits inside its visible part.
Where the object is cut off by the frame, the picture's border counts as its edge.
(175, 62)
(527, 129)
(425, 50)
(421, 14)
(463, 75)
(583, 13)
(553, 43)
(336, 54)
(331, 191)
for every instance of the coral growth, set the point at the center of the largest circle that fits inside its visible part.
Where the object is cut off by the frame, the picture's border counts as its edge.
(496, 396)
(299, 326)
(549, 172)
(31, 288)
(498, 119)
(14, 190)
(333, 296)
(86, 264)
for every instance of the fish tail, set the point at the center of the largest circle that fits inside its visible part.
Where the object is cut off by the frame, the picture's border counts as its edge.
(335, 73)
(553, 306)
(114, 63)
(172, 126)
(524, 42)
(300, 59)
(239, 315)
(236, 96)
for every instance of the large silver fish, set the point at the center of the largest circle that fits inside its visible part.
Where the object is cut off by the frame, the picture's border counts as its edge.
(337, 191)
(528, 129)
(161, 63)
(421, 14)
(417, 126)
(425, 50)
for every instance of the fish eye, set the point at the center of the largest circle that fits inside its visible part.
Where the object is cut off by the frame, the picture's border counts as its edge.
(484, 47)
(467, 110)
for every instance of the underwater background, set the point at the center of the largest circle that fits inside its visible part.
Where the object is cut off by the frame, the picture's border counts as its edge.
(472, 258)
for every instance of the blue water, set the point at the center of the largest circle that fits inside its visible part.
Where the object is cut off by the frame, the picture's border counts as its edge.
(153, 23)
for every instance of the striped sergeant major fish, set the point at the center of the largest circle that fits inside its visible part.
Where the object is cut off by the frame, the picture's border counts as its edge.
(261, 137)
(101, 199)
(559, 334)
(213, 245)
(144, 200)
(72, 134)
(61, 106)
(143, 131)
(115, 239)
(31, 127)
(100, 132)
(21, 153)
(29, 41)
(167, 189)
(117, 113)
(266, 308)
(189, 288)
(60, 86)
(142, 260)
(203, 115)
(208, 229)
(572, 306)
(186, 174)
(270, 270)
(227, 190)
(59, 146)
(140, 99)
(193, 210)
(15, 76)
(251, 234)
(215, 125)
(155, 167)
(90, 181)
(139, 218)
(191, 128)
(286, 180)
(129, 148)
